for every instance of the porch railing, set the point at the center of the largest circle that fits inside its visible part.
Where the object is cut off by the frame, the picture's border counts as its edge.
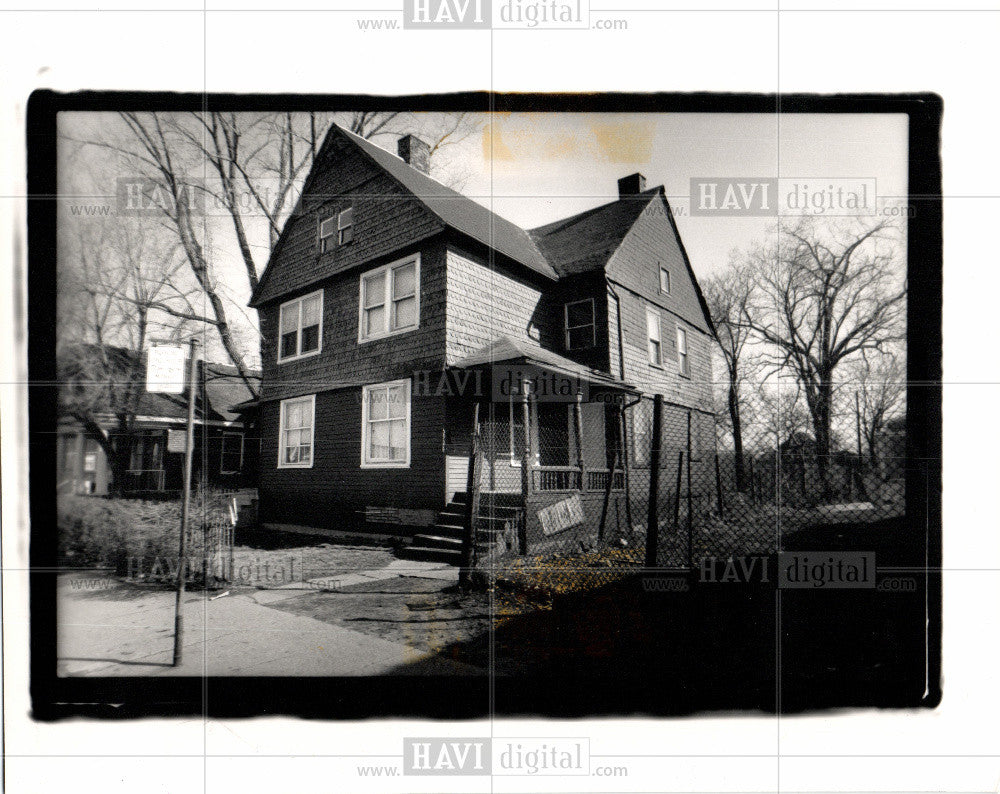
(597, 480)
(556, 478)
(567, 478)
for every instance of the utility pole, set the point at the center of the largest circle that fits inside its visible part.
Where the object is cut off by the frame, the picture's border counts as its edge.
(185, 507)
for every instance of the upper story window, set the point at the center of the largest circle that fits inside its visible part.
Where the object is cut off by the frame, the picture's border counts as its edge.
(345, 226)
(390, 299)
(580, 325)
(683, 364)
(654, 337)
(295, 433)
(337, 228)
(664, 281)
(301, 323)
(232, 453)
(385, 425)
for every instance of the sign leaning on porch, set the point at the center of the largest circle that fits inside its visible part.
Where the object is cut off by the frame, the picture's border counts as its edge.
(561, 515)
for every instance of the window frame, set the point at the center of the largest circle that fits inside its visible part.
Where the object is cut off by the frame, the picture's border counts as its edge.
(683, 365)
(367, 463)
(311, 398)
(662, 271)
(651, 312)
(324, 246)
(387, 270)
(281, 313)
(592, 324)
(349, 227)
(222, 451)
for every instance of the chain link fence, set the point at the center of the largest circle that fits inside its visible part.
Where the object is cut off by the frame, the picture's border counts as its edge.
(659, 486)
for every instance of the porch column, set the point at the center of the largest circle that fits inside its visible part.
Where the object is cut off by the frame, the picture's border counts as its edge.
(578, 428)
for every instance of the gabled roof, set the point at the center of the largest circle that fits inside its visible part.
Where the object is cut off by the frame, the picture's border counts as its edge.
(586, 241)
(505, 349)
(457, 211)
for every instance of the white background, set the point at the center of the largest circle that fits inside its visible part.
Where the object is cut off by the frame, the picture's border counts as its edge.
(740, 47)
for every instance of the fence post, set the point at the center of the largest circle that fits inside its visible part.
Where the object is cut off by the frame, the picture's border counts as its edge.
(607, 495)
(626, 472)
(652, 515)
(753, 483)
(471, 504)
(718, 485)
(522, 530)
(690, 496)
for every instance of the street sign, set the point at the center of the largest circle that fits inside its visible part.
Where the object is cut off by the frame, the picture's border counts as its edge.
(165, 369)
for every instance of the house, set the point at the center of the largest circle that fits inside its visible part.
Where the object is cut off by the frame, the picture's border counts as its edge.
(396, 312)
(225, 449)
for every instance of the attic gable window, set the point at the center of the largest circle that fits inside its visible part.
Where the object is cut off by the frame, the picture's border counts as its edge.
(301, 323)
(338, 227)
(390, 299)
(581, 329)
(664, 281)
(345, 226)
(654, 337)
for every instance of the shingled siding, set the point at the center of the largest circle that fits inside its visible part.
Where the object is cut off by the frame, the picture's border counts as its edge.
(386, 219)
(330, 493)
(694, 391)
(487, 303)
(650, 244)
(342, 359)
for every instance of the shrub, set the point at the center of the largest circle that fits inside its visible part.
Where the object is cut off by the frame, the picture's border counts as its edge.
(129, 534)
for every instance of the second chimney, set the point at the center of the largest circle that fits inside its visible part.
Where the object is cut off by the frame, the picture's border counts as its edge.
(631, 185)
(415, 152)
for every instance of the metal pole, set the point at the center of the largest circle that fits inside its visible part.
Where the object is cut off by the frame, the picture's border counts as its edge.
(185, 505)
(690, 516)
(526, 475)
(652, 515)
(718, 485)
(472, 504)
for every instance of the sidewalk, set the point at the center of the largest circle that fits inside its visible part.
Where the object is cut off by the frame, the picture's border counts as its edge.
(116, 629)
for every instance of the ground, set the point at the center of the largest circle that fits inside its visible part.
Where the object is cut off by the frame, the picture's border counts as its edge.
(690, 646)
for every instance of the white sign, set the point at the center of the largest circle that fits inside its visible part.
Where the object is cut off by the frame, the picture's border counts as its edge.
(176, 440)
(165, 369)
(562, 515)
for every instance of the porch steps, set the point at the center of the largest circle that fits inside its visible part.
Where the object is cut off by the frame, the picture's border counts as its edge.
(443, 541)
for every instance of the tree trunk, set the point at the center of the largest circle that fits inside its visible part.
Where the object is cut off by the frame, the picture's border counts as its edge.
(734, 415)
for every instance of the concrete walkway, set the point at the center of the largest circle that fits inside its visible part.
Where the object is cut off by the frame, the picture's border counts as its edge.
(110, 628)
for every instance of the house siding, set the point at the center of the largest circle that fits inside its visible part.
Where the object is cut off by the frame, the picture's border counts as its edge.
(386, 219)
(330, 494)
(342, 360)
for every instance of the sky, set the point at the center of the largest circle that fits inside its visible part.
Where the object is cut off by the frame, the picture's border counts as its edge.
(534, 168)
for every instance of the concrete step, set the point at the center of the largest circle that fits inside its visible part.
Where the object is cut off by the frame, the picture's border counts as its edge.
(430, 554)
(437, 541)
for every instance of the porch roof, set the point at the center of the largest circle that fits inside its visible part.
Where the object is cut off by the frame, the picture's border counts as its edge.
(506, 350)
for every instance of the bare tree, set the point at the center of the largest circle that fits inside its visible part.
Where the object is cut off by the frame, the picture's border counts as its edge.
(119, 292)
(727, 295)
(881, 396)
(821, 297)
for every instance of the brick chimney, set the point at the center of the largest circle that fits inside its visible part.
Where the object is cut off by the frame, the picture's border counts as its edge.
(415, 152)
(631, 185)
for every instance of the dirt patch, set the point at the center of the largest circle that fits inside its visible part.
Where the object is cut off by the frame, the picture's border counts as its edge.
(267, 568)
(424, 614)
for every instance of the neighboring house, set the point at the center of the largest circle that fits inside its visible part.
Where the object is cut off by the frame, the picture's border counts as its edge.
(392, 306)
(226, 443)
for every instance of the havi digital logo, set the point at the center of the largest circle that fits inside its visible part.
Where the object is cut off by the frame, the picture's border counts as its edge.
(448, 14)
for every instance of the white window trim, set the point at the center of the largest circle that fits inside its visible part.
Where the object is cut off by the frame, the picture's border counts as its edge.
(386, 464)
(592, 324)
(222, 454)
(387, 268)
(281, 311)
(660, 276)
(281, 434)
(651, 312)
(687, 352)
